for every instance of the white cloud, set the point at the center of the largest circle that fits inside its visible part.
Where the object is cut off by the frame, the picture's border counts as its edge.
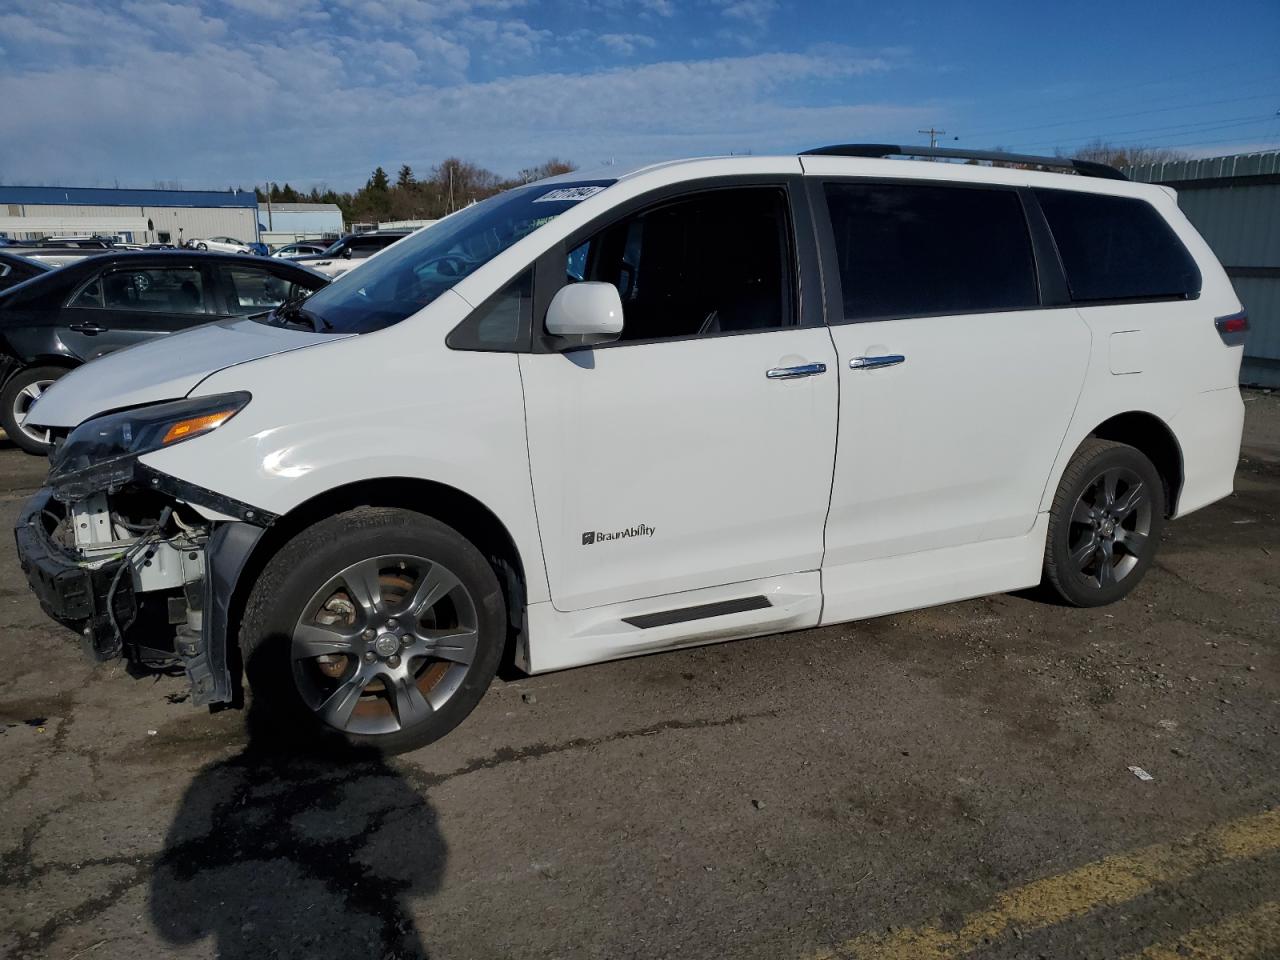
(754, 13)
(176, 20)
(279, 9)
(122, 96)
(626, 44)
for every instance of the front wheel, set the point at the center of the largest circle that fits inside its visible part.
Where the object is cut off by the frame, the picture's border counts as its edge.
(1104, 525)
(202, 246)
(383, 627)
(22, 390)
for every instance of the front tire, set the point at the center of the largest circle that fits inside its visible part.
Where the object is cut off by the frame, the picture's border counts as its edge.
(378, 627)
(22, 390)
(202, 246)
(1104, 525)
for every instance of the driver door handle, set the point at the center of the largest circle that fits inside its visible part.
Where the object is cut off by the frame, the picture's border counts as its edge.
(87, 327)
(795, 373)
(871, 363)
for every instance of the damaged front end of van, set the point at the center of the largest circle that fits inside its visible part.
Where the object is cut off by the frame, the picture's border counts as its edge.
(118, 550)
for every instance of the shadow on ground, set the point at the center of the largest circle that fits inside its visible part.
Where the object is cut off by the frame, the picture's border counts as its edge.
(274, 853)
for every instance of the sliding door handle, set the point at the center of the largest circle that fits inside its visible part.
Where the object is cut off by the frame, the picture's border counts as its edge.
(871, 363)
(795, 373)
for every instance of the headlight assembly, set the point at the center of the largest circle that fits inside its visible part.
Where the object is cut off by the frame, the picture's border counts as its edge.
(100, 453)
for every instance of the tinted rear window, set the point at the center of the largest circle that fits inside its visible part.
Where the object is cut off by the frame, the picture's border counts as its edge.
(1117, 248)
(914, 250)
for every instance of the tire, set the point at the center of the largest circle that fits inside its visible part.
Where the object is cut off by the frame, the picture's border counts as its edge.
(1104, 525)
(202, 246)
(21, 390)
(315, 600)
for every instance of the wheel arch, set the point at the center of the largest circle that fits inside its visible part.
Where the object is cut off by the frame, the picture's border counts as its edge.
(1156, 441)
(460, 510)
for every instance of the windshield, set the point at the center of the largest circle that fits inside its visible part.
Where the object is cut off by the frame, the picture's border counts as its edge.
(414, 271)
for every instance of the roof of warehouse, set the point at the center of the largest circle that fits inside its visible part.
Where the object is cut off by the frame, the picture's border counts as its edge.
(305, 207)
(108, 197)
(1210, 168)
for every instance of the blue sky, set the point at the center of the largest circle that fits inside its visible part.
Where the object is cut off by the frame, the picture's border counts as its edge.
(211, 93)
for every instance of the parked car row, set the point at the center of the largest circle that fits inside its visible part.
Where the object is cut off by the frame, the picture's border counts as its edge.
(60, 319)
(592, 418)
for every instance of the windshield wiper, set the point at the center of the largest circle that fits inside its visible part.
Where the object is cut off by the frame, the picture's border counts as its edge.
(291, 313)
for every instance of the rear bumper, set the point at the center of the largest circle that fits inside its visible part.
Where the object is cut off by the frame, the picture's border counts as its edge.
(1209, 430)
(76, 594)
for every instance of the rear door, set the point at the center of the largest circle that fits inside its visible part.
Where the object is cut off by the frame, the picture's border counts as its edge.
(956, 382)
(697, 450)
(126, 304)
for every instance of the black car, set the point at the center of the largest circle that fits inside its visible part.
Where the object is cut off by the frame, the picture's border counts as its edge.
(69, 316)
(16, 269)
(357, 246)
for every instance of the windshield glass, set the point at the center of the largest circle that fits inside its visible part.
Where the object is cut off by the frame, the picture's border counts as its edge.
(414, 271)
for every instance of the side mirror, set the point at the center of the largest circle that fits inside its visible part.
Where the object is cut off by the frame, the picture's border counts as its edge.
(585, 314)
(346, 254)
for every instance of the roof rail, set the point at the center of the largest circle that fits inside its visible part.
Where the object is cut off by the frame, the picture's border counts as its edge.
(1086, 168)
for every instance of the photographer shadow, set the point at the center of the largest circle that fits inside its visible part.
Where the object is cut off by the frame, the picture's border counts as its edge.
(279, 853)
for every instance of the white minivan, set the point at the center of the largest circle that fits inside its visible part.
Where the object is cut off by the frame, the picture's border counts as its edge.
(593, 417)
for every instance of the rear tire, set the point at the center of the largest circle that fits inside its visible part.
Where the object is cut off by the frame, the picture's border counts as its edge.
(375, 628)
(1104, 525)
(19, 393)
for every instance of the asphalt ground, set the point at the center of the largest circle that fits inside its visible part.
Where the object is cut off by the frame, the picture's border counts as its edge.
(953, 782)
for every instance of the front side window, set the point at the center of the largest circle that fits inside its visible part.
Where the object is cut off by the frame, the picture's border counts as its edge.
(1117, 248)
(919, 250)
(147, 290)
(419, 268)
(248, 290)
(717, 262)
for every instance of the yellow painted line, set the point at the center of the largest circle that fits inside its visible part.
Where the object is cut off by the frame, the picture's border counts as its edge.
(1054, 899)
(1255, 933)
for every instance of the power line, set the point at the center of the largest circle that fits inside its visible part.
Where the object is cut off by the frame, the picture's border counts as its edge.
(1174, 130)
(1117, 91)
(1122, 116)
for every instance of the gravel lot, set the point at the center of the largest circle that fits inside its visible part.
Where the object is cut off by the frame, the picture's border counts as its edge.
(949, 782)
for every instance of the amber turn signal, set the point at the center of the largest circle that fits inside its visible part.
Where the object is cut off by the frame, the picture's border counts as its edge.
(192, 426)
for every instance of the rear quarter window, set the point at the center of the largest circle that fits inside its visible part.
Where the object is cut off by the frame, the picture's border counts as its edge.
(1117, 248)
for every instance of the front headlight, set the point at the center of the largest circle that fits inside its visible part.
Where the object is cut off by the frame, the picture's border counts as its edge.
(100, 452)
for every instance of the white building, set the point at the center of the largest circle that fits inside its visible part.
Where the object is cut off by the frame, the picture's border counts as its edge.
(139, 216)
(285, 222)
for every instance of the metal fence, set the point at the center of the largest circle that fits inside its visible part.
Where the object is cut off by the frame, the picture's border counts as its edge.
(1235, 204)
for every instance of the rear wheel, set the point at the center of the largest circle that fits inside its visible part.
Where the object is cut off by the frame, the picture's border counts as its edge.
(1104, 525)
(380, 626)
(22, 390)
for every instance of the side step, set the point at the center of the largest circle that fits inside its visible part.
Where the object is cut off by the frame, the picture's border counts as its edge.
(664, 618)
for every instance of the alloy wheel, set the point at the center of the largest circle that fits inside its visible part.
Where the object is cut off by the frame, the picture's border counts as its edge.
(384, 644)
(1110, 527)
(22, 404)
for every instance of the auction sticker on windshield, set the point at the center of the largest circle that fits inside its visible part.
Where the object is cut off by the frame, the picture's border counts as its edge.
(570, 193)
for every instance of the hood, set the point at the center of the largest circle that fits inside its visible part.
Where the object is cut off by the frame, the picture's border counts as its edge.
(165, 369)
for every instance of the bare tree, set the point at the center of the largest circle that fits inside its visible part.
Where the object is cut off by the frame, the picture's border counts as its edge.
(1123, 155)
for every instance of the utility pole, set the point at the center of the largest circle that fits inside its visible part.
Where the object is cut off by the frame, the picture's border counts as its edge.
(933, 136)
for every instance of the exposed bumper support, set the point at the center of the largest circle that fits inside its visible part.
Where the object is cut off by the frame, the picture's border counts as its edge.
(98, 598)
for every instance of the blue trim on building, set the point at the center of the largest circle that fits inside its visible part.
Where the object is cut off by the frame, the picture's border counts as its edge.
(107, 197)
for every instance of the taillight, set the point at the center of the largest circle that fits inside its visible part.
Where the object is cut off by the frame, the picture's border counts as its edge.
(1233, 328)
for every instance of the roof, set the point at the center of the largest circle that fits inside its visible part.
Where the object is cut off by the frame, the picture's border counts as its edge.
(1233, 167)
(108, 197)
(304, 207)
